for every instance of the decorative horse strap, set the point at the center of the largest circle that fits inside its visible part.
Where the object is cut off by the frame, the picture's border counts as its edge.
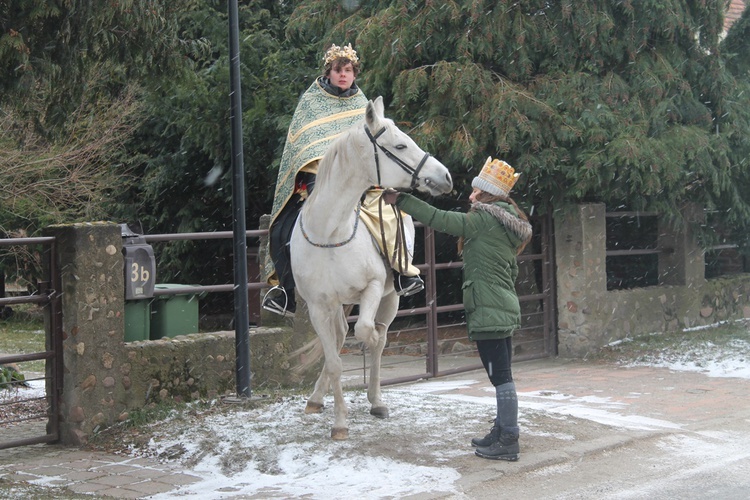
(332, 245)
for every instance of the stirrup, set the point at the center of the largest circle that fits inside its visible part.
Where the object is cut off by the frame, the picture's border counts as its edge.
(270, 304)
(414, 285)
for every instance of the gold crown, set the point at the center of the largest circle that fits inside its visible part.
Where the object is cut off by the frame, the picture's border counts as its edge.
(346, 52)
(496, 177)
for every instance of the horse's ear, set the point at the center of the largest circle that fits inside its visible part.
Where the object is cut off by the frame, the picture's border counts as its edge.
(374, 111)
(379, 105)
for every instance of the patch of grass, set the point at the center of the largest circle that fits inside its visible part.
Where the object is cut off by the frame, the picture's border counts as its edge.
(720, 335)
(23, 333)
(10, 378)
(142, 417)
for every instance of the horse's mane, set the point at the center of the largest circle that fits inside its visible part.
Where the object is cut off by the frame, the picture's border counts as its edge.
(343, 151)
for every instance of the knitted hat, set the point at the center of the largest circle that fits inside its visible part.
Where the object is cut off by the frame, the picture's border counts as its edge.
(496, 178)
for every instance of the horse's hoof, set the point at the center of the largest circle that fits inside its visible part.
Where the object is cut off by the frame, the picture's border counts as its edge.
(379, 412)
(313, 407)
(339, 433)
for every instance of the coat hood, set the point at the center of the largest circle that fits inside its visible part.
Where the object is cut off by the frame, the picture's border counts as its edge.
(505, 215)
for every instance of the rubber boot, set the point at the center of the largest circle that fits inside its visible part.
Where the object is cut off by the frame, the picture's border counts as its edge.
(505, 448)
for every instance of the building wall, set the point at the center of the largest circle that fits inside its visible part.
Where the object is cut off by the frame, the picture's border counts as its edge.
(590, 317)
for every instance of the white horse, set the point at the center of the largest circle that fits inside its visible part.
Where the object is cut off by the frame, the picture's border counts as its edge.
(334, 259)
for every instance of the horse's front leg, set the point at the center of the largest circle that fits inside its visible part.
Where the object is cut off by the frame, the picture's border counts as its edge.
(364, 328)
(330, 324)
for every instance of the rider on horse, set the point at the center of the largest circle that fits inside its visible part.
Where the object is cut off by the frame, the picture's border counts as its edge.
(331, 105)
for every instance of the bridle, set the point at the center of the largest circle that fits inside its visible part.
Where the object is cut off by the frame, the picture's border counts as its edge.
(414, 172)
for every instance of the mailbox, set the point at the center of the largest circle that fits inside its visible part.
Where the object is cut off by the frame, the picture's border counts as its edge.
(140, 265)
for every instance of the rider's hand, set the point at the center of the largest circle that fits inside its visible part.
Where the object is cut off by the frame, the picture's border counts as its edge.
(390, 196)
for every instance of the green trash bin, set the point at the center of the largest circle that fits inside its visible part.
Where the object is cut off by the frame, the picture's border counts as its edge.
(137, 320)
(173, 315)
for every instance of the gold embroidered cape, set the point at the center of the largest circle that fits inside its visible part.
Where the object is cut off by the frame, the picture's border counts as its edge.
(318, 120)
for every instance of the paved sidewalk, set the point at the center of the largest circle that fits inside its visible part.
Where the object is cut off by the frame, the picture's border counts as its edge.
(80, 471)
(612, 407)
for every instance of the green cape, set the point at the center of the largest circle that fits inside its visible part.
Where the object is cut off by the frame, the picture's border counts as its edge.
(318, 120)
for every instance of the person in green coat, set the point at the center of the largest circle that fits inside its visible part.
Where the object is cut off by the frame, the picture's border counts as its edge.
(491, 234)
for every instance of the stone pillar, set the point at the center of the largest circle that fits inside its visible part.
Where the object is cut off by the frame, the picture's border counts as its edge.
(685, 263)
(580, 257)
(89, 257)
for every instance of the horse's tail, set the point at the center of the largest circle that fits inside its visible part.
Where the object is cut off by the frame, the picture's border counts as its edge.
(306, 356)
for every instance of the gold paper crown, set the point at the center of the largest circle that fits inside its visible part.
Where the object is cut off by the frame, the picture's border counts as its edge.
(346, 52)
(496, 177)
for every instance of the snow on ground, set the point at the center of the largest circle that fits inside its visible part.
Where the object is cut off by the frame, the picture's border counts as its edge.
(276, 451)
(728, 360)
(296, 465)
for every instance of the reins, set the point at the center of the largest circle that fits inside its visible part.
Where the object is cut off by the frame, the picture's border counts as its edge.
(399, 257)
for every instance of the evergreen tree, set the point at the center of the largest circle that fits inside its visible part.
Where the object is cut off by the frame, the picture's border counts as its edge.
(69, 98)
(627, 103)
(51, 48)
(183, 151)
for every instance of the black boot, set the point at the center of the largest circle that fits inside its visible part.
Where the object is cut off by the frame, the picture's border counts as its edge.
(407, 285)
(487, 440)
(505, 448)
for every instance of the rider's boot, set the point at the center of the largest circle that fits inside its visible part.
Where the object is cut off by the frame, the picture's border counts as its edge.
(407, 285)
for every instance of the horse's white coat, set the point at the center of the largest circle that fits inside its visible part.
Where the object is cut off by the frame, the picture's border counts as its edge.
(354, 273)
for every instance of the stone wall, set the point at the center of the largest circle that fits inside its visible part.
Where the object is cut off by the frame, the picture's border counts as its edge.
(105, 378)
(589, 316)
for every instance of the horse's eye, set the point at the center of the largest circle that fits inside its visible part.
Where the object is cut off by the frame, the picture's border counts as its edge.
(401, 146)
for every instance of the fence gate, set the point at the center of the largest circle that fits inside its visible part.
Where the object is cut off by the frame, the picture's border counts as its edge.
(30, 354)
(429, 337)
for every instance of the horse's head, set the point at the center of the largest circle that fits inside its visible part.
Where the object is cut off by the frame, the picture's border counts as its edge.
(399, 162)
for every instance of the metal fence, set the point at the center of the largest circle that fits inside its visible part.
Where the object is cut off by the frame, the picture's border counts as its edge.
(31, 416)
(428, 338)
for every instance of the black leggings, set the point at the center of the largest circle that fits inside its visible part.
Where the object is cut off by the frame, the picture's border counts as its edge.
(496, 355)
(281, 232)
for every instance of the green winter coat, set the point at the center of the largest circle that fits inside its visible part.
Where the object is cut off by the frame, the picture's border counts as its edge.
(492, 234)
